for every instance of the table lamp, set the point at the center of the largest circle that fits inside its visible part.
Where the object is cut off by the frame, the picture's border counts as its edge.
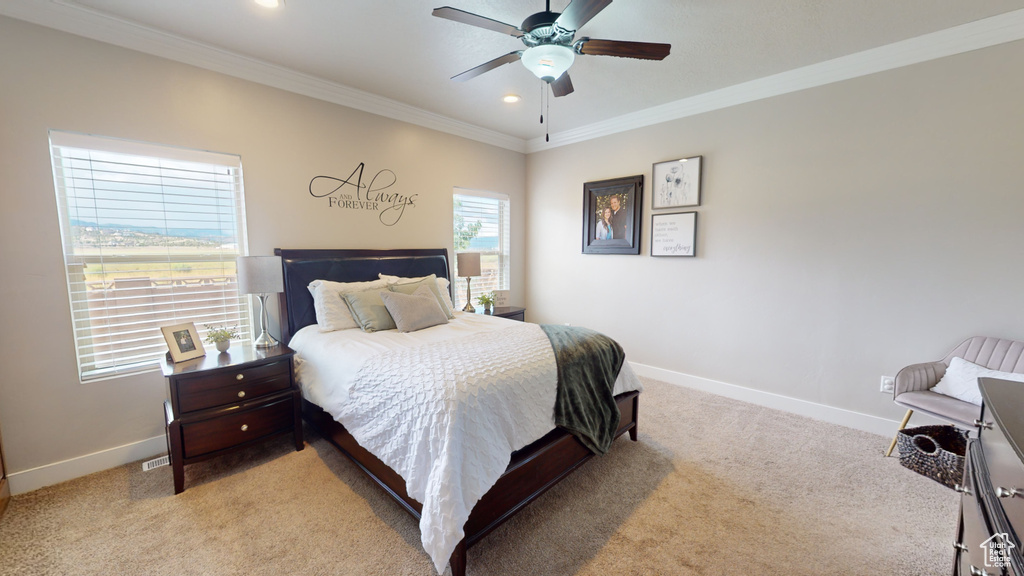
(469, 266)
(261, 275)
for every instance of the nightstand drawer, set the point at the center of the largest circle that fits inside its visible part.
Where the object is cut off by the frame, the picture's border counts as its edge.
(237, 428)
(210, 390)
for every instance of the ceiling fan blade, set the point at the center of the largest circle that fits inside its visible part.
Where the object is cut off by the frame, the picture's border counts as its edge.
(579, 12)
(623, 49)
(464, 17)
(487, 66)
(562, 86)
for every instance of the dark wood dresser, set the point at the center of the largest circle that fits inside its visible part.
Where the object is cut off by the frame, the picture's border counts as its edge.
(992, 493)
(223, 402)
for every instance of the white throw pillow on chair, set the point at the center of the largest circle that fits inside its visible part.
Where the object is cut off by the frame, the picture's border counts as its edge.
(961, 380)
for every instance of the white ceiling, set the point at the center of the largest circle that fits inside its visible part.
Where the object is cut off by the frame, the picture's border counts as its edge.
(392, 57)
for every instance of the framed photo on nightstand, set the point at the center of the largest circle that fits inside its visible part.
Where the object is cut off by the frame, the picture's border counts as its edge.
(183, 341)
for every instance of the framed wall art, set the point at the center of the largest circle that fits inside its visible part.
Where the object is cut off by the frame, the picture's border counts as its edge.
(611, 215)
(676, 183)
(183, 341)
(674, 234)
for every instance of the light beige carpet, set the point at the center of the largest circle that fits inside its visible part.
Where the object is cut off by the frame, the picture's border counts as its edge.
(714, 486)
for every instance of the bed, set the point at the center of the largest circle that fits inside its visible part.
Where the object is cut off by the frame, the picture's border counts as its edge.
(531, 469)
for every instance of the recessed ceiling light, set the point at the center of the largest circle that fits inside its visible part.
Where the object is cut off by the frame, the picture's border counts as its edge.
(269, 3)
(511, 98)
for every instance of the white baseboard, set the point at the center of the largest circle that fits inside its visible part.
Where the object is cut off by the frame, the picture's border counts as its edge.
(29, 480)
(848, 418)
(49, 474)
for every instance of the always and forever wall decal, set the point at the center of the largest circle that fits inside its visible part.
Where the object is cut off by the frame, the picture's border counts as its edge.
(372, 197)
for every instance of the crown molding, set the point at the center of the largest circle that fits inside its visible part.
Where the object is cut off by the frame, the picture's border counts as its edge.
(69, 16)
(72, 17)
(983, 33)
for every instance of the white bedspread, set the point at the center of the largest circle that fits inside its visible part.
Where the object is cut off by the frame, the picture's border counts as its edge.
(444, 407)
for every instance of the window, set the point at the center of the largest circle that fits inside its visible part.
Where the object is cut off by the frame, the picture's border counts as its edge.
(150, 236)
(481, 224)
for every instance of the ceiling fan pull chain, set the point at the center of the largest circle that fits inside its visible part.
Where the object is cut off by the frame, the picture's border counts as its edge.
(542, 103)
(547, 127)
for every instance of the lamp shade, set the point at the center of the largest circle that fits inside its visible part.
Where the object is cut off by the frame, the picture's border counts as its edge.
(468, 263)
(548, 61)
(259, 275)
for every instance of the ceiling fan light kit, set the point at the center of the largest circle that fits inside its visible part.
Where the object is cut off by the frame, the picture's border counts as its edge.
(548, 37)
(548, 61)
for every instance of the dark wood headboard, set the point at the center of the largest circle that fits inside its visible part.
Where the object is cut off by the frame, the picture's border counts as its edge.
(303, 266)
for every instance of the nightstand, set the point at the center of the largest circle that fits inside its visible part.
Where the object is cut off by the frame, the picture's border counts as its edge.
(510, 312)
(226, 401)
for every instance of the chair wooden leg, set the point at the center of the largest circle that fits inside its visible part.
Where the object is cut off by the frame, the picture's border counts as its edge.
(906, 418)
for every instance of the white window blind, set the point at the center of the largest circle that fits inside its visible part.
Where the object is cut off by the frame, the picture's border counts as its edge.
(150, 236)
(481, 224)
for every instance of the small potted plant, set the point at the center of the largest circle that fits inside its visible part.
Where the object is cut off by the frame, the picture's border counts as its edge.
(221, 336)
(487, 299)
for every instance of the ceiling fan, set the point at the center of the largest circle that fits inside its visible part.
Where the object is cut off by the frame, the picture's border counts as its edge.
(550, 48)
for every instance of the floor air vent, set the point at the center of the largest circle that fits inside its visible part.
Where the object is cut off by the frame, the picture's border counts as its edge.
(156, 463)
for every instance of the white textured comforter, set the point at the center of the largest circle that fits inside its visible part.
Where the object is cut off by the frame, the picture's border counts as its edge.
(444, 407)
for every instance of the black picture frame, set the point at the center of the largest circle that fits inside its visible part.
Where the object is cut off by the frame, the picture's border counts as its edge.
(674, 234)
(625, 230)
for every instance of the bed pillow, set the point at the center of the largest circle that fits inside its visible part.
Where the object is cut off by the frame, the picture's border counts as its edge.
(961, 380)
(331, 311)
(416, 311)
(431, 283)
(442, 287)
(368, 310)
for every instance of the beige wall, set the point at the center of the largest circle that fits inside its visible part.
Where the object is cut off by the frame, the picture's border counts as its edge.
(845, 232)
(52, 80)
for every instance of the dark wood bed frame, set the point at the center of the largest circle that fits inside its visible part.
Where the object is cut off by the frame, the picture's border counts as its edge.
(532, 470)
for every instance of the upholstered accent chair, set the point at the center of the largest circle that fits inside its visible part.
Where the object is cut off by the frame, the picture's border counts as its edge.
(913, 383)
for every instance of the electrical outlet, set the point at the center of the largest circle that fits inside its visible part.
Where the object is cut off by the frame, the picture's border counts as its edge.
(888, 385)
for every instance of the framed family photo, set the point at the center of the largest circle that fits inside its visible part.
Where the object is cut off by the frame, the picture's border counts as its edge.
(676, 183)
(674, 234)
(611, 215)
(183, 342)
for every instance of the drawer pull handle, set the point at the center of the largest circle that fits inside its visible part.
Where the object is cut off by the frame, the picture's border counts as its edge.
(241, 393)
(962, 489)
(978, 571)
(982, 424)
(239, 376)
(245, 427)
(960, 547)
(1008, 493)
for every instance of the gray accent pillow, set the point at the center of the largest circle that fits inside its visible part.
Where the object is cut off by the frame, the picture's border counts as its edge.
(431, 283)
(368, 310)
(416, 311)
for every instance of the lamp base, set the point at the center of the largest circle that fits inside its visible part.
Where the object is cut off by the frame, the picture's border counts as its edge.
(469, 298)
(265, 340)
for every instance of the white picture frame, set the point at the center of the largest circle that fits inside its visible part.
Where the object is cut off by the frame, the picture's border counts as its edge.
(674, 234)
(676, 183)
(501, 298)
(183, 341)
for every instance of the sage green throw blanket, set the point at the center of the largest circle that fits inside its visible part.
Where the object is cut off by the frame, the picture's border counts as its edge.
(588, 364)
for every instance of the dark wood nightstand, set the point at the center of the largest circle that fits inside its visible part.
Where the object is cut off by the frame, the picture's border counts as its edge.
(511, 312)
(226, 401)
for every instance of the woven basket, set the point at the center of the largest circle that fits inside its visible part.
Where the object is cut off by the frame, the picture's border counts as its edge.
(934, 451)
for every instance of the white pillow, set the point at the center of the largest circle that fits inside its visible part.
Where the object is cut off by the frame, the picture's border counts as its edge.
(442, 286)
(331, 311)
(961, 380)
